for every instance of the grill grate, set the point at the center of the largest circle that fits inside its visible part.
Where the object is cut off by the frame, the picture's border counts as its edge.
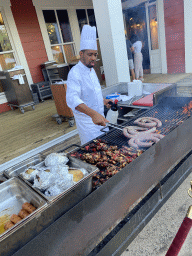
(169, 111)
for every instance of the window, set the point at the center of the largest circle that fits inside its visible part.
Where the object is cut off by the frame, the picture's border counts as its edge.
(7, 58)
(86, 16)
(153, 26)
(60, 36)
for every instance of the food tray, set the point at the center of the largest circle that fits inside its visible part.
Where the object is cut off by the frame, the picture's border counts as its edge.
(13, 193)
(2, 177)
(20, 167)
(79, 190)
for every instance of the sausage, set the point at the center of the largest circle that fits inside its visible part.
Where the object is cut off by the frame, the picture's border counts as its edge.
(8, 225)
(148, 122)
(125, 133)
(142, 142)
(28, 207)
(159, 136)
(23, 214)
(131, 131)
(132, 143)
(15, 219)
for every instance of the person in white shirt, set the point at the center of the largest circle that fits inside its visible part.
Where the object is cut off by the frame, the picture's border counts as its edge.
(138, 57)
(84, 95)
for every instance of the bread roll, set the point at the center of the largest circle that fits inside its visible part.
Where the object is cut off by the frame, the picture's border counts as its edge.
(77, 174)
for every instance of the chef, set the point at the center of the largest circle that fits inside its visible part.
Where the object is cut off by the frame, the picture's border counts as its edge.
(84, 94)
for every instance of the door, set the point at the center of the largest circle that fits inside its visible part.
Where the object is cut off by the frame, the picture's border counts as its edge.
(135, 23)
(153, 37)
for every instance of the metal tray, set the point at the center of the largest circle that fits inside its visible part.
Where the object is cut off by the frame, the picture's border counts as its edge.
(13, 193)
(3, 178)
(20, 167)
(79, 190)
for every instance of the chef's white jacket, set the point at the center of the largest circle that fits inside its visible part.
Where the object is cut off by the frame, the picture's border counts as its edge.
(83, 87)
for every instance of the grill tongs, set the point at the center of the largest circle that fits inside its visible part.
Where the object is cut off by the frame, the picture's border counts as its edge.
(116, 126)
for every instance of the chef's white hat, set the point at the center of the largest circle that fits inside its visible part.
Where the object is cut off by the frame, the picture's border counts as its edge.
(88, 38)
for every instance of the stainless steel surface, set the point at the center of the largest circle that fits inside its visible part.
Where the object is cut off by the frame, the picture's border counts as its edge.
(79, 230)
(168, 91)
(16, 169)
(3, 178)
(159, 90)
(13, 193)
(116, 126)
(84, 185)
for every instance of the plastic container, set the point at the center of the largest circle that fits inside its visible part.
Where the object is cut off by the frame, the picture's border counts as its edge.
(112, 114)
(135, 88)
(113, 96)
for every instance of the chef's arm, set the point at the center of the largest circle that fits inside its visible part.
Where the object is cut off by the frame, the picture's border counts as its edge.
(95, 116)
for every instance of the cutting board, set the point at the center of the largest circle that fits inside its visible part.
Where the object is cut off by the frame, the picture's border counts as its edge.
(146, 101)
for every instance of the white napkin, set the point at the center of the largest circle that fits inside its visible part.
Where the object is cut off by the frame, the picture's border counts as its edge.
(124, 97)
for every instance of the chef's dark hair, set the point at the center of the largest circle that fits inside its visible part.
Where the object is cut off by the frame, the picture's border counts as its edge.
(134, 38)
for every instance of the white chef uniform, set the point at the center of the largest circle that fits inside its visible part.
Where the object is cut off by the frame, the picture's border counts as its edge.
(83, 87)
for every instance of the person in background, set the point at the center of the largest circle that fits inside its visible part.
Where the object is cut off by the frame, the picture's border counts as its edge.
(84, 95)
(130, 49)
(138, 57)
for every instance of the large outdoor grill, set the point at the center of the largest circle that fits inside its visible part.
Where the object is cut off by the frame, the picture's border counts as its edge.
(108, 219)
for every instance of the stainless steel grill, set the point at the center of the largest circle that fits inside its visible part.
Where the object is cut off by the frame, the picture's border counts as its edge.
(169, 111)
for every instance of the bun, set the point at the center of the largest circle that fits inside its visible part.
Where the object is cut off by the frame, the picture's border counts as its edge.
(77, 175)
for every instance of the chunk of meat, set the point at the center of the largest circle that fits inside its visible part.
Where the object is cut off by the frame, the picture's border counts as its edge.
(15, 219)
(23, 214)
(28, 207)
(8, 225)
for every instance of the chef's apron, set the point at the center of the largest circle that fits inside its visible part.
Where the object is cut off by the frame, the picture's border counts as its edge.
(87, 129)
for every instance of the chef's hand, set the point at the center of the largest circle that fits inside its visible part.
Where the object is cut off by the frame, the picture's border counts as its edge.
(99, 119)
(106, 102)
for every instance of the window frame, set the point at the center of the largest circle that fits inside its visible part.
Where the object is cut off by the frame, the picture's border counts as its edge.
(60, 34)
(86, 16)
(15, 54)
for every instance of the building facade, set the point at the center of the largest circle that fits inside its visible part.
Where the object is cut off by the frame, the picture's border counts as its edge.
(35, 31)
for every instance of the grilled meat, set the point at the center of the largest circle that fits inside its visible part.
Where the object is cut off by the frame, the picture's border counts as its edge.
(148, 122)
(15, 219)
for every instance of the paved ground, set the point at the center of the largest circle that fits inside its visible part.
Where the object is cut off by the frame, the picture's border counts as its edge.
(157, 236)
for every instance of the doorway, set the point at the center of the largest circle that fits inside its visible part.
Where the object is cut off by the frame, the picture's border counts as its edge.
(135, 22)
(142, 20)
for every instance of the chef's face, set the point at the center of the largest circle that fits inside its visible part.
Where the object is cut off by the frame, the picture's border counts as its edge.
(88, 57)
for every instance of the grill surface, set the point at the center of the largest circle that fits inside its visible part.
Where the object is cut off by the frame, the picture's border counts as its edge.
(169, 111)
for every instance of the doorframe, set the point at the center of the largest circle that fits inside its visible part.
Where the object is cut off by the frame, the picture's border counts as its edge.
(161, 32)
(162, 37)
(158, 51)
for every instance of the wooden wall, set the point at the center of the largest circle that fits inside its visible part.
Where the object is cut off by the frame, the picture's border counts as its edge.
(30, 34)
(174, 32)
